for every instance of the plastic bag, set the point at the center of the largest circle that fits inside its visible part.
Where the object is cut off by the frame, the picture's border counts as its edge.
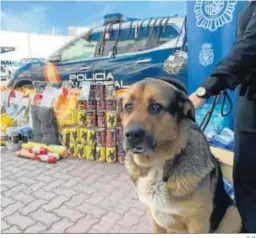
(49, 95)
(224, 140)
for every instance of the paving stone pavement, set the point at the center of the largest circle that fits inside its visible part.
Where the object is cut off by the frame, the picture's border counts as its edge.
(71, 196)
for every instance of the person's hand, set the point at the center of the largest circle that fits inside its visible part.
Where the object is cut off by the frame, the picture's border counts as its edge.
(197, 101)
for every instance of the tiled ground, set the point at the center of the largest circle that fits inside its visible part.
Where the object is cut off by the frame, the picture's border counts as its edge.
(71, 196)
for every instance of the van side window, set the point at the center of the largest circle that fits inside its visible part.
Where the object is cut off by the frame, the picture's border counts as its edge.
(81, 49)
(147, 38)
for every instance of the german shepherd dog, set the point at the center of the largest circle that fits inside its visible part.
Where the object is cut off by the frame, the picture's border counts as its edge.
(170, 162)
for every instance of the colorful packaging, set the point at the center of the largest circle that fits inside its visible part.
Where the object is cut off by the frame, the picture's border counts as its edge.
(90, 152)
(73, 150)
(91, 118)
(101, 119)
(101, 154)
(110, 154)
(119, 135)
(66, 136)
(81, 105)
(100, 105)
(99, 91)
(24, 153)
(111, 105)
(83, 135)
(58, 149)
(73, 135)
(111, 121)
(81, 117)
(92, 92)
(101, 137)
(91, 133)
(38, 150)
(50, 159)
(74, 121)
(120, 155)
(91, 106)
(111, 138)
(81, 151)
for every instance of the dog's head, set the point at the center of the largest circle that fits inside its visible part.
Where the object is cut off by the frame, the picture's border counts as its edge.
(152, 113)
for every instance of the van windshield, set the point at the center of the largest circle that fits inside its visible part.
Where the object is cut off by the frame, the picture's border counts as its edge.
(79, 50)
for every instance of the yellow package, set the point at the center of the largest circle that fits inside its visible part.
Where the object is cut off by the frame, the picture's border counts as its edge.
(73, 150)
(90, 152)
(58, 149)
(111, 154)
(83, 135)
(101, 154)
(81, 151)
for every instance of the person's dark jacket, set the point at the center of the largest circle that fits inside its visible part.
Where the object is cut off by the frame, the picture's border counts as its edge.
(239, 67)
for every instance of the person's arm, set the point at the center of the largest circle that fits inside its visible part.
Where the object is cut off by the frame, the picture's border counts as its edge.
(237, 65)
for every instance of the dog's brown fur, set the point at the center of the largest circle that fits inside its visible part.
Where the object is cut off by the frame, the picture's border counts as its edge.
(190, 187)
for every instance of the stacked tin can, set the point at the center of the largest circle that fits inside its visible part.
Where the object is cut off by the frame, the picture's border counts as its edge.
(96, 131)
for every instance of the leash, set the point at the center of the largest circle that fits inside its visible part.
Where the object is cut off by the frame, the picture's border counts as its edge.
(208, 115)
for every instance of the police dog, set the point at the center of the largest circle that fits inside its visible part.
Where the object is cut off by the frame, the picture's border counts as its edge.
(170, 162)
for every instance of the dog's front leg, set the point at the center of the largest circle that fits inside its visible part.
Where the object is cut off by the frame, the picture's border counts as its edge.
(198, 225)
(155, 227)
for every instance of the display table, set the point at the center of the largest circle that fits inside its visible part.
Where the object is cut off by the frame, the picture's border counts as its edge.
(226, 159)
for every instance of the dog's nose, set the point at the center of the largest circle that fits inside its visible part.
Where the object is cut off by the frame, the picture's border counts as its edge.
(135, 134)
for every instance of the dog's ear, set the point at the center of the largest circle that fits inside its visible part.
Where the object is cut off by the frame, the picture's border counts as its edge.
(186, 108)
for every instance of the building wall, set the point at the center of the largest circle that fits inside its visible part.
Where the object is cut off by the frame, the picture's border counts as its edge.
(30, 45)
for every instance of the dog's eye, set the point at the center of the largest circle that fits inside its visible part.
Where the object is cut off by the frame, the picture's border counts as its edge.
(128, 107)
(155, 107)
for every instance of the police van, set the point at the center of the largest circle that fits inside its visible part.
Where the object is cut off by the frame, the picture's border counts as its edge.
(123, 50)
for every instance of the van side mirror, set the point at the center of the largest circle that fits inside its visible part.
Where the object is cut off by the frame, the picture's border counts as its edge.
(55, 58)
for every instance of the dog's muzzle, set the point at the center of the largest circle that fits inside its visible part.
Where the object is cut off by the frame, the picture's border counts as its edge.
(138, 140)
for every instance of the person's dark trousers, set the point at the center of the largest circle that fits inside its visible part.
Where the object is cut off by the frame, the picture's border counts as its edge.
(244, 171)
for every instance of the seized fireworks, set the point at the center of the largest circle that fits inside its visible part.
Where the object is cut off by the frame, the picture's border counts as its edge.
(91, 118)
(111, 119)
(99, 91)
(73, 135)
(110, 154)
(81, 117)
(109, 90)
(81, 152)
(81, 105)
(119, 135)
(49, 158)
(74, 118)
(73, 150)
(120, 155)
(91, 136)
(90, 152)
(83, 135)
(65, 139)
(92, 91)
(101, 119)
(38, 150)
(111, 138)
(100, 105)
(110, 105)
(101, 154)
(91, 105)
(101, 137)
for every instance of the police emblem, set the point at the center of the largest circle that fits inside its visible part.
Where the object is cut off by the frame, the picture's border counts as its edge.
(175, 62)
(206, 54)
(214, 14)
